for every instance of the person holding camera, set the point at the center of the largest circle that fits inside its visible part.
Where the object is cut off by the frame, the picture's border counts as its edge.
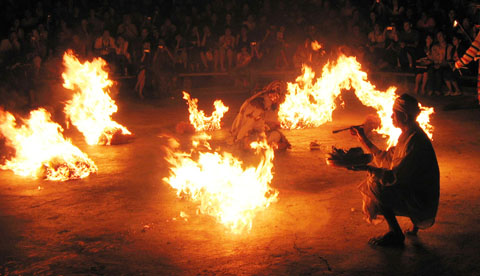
(144, 71)
(392, 47)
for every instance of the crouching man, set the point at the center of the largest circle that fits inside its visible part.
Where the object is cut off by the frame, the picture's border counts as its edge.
(406, 178)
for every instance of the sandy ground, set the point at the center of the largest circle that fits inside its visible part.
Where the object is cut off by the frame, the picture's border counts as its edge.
(125, 220)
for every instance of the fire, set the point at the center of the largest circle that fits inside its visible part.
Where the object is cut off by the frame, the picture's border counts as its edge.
(221, 186)
(91, 108)
(310, 102)
(41, 149)
(316, 46)
(423, 120)
(198, 118)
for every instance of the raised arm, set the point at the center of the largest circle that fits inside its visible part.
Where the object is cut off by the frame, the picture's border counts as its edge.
(366, 143)
(470, 54)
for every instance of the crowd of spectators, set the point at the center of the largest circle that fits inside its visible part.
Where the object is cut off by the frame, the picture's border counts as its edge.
(156, 40)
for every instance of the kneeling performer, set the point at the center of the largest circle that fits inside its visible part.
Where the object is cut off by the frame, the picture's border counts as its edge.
(258, 117)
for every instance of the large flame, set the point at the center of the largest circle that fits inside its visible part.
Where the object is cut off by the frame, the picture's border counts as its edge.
(91, 108)
(198, 119)
(221, 186)
(310, 102)
(41, 149)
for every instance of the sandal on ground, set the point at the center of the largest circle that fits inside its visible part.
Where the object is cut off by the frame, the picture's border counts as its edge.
(390, 239)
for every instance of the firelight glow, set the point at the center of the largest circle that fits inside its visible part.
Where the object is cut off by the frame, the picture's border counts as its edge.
(310, 102)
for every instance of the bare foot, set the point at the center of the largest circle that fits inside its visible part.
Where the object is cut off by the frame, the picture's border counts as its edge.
(390, 239)
(412, 232)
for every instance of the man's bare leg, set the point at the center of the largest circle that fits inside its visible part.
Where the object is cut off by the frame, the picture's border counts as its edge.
(394, 237)
(392, 221)
(424, 83)
(412, 231)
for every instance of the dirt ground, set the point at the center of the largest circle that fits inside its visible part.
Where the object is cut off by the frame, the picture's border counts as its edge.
(125, 220)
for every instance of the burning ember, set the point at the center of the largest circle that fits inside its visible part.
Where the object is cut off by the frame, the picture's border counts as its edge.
(310, 102)
(41, 149)
(91, 108)
(221, 186)
(316, 46)
(198, 118)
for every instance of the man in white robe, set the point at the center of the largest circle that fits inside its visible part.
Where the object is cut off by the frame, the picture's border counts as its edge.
(406, 178)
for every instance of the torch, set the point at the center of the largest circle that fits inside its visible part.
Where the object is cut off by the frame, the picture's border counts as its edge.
(455, 24)
(347, 128)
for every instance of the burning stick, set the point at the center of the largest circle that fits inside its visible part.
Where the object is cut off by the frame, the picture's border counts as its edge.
(347, 128)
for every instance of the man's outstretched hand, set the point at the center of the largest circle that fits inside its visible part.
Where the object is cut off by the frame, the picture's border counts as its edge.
(359, 132)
